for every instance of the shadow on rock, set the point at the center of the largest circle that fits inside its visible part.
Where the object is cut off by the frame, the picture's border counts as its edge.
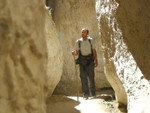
(61, 104)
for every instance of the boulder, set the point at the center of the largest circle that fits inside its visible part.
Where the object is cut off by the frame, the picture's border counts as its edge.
(54, 55)
(124, 33)
(26, 75)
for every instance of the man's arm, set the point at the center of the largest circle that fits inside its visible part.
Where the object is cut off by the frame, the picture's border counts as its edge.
(95, 58)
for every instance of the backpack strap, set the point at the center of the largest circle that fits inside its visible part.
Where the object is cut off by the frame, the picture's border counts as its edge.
(90, 43)
(91, 46)
(79, 43)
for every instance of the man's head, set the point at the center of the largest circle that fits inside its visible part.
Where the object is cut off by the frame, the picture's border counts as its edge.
(84, 32)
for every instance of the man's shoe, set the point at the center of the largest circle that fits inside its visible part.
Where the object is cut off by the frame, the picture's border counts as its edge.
(85, 96)
(93, 95)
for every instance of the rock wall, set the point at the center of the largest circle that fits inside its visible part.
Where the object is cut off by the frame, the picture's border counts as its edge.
(70, 17)
(124, 29)
(25, 58)
(54, 55)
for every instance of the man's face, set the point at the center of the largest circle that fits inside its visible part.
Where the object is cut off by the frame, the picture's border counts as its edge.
(84, 33)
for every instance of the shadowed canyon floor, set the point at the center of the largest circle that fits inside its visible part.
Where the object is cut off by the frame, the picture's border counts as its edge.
(103, 103)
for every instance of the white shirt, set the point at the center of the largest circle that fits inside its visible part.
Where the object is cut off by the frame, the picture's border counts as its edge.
(85, 46)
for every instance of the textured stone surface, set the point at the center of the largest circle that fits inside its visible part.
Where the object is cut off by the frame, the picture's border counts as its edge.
(70, 17)
(24, 56)
(55, 55)
(124, 29)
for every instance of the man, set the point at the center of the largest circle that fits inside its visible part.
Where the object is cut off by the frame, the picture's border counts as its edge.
(85, 48)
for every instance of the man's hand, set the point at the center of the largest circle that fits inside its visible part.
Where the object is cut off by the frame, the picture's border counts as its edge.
(75, 52)
(95, 62)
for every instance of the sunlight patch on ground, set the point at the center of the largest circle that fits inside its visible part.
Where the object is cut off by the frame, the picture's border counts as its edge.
(90, 105)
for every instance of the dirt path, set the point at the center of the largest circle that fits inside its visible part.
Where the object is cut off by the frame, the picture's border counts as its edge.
(103, 103)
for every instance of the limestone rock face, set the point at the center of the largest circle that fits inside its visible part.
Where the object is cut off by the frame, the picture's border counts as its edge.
(70, 17)
(55, 55)
(124, 29)
(24, 56)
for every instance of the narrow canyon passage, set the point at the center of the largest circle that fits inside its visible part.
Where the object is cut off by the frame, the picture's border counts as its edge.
(37, 72)
(104, 102)
(68, 24)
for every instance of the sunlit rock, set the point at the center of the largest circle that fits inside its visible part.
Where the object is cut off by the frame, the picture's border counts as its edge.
(22, 56)
(27, 47)
(124, 35)
(54, 54)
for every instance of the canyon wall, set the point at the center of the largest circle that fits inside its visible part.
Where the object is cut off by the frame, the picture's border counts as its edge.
(26, 50)
(70, 17)
(124, 28)
(54, 55)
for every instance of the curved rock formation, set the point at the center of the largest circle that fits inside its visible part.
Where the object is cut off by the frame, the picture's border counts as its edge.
(22, 57)
(124, 37)
(26, 73)
(55, 55)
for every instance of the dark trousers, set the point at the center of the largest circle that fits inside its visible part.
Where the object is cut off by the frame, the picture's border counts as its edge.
(87, 71)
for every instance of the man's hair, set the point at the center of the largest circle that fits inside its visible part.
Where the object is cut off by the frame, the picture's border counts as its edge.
(85, 29)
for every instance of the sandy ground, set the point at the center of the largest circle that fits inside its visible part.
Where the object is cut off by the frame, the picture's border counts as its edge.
(102, 103)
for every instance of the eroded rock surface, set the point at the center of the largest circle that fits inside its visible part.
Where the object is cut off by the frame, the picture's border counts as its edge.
(124, 32)
(22, 57)
(55, 55)
(26, 75)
